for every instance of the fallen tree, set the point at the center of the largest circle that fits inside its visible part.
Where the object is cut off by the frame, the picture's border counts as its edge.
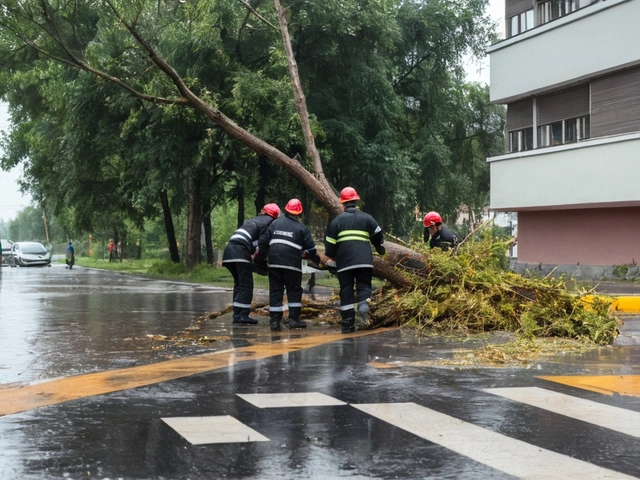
(470, 290)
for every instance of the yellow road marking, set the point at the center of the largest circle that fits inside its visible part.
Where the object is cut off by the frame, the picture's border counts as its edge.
(608, 384)
(19, 399)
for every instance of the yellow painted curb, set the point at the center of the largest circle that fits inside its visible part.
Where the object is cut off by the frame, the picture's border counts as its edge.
(619, 304)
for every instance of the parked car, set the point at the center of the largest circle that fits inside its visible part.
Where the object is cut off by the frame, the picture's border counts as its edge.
(27, 254)
(6, 250)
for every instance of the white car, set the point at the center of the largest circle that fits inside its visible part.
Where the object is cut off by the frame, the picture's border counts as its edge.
(27, 254)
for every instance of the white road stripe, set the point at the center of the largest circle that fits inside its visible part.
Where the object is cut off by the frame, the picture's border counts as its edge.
(614, 418)
(498, 451)
(217, 429)
(286, 400)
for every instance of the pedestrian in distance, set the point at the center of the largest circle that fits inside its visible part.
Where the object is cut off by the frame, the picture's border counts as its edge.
(347, 241)
(111, 248)
(287, 242)
(70, 256)
(238, 258)
(437, 234)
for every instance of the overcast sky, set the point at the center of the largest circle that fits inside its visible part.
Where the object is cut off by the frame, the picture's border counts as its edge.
(11, 200)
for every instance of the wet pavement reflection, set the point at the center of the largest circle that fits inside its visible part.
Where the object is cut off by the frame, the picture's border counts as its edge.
(57, 323)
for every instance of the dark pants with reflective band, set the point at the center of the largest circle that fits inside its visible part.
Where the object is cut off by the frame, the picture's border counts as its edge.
(279, 279)
(242, 273)
(361, 278)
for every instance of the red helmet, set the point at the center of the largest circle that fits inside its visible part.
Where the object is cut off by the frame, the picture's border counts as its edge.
(294, 206)
(272, 210)
(348, 194)
(432, 218)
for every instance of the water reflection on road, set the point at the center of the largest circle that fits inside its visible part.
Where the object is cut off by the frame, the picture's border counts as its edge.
(56, 322)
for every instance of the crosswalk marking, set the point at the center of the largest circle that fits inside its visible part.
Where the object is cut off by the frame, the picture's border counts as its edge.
(498, 451)
(279, 400)
(216, 429)
(614, 418)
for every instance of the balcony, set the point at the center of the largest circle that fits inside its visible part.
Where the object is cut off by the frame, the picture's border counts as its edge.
(592, 41)
(586, 174)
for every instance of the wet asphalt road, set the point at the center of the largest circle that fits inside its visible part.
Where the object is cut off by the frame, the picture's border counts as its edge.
(364, 406)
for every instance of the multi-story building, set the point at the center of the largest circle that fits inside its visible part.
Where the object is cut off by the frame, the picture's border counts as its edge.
(569, 73)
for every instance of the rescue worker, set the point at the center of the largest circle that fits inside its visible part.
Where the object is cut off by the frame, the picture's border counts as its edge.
(347, 242)
(287, 242)
(441, 236)
(238, 258)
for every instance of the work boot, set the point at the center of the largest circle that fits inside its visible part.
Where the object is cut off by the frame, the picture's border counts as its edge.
(236, 314)
(296, 323)
(244, 318)
(274, 322)
(348, 325)
(363, 310)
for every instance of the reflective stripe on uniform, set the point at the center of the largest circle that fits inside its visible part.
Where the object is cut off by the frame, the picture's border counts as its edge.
(234, 260)
(286, 267)
(241, 305)
(347, 235)
(351, 267)
(278, 309)
(285, 242)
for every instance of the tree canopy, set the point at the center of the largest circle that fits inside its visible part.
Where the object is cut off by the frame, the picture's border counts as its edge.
(98, 90)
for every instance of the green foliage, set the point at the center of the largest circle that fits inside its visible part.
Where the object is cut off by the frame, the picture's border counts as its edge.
(469, 290)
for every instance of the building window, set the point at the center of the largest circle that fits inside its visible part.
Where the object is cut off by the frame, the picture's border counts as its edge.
(551, 9)
(521, 140)
(521, 23)
(565, 131)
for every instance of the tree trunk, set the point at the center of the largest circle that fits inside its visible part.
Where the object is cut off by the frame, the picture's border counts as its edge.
(240, 200)
(207, 236)
(168, 226)
(194, 224)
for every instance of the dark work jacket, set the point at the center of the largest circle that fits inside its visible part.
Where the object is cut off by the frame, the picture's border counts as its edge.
(285, 242)
(348, 239)
(244, 240)
(443, 239)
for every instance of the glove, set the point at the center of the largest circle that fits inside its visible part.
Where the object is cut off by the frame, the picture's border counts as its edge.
(316, 259)
(381, 250)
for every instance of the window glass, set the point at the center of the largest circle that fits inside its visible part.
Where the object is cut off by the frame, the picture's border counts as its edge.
(529, 19)
(570, 130)
(556, 133)
(514, 26)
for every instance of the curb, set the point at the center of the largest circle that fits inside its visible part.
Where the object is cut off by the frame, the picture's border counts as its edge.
(626, 303)
(619, 303)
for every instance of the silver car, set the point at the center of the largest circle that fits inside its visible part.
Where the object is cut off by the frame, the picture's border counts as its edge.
(27, 254)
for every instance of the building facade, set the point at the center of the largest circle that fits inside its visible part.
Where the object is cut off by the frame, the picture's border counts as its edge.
(569, 73)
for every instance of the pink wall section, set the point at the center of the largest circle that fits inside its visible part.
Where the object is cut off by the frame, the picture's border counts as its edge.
(599, 236)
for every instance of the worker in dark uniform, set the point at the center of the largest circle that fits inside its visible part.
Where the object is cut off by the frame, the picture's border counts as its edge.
(238, 258)
(441, 236)
(347, 241)
(287, 242)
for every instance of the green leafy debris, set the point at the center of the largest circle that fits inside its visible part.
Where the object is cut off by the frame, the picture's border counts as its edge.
(469, 290)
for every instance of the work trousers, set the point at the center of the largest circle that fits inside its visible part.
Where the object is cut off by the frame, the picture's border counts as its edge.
(291, 280)
(242, 273)
(361, 279)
